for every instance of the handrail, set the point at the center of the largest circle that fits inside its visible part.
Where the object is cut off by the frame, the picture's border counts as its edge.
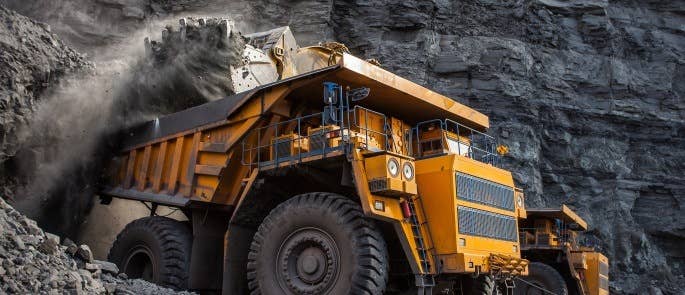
(479, 146)
(562, 234)
(252, 151)
(468, 142)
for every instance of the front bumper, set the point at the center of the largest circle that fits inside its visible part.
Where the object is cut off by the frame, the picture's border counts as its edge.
(497, 264)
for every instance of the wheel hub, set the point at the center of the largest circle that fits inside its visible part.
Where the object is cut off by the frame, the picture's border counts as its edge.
(311, 265)
(138, 264)
(309, 262)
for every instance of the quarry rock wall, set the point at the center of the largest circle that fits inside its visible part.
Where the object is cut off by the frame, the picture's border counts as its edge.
(588, 95)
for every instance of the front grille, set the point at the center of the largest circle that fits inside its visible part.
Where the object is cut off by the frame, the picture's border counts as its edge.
(378, 185)
(486, 224)
(485, 192)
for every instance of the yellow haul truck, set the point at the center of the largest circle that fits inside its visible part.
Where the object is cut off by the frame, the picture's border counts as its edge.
(559, 263)
(334, 176)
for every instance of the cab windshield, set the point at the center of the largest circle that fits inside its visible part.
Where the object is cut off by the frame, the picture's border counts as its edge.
(455, 146)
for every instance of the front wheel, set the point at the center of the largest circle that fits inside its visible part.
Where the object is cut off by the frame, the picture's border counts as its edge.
(317, 243)
(542, 279)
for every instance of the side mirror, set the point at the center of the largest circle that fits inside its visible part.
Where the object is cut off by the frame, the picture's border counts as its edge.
(358, 94)
(330, 93)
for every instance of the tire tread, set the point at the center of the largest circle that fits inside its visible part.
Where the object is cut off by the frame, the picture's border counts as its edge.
(371, 276)
(175, 240)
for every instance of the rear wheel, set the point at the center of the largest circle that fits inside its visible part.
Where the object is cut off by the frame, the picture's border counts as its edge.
(542, 279)
(155, 249)
(317, 243)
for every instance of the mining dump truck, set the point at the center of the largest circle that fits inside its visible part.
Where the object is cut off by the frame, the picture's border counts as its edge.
(325, 175)
(559, 262)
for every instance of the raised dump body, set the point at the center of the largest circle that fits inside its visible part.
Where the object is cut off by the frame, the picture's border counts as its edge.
(346, 177)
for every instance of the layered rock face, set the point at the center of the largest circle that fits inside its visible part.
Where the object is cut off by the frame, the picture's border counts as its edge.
(32, 59)
(588, 95)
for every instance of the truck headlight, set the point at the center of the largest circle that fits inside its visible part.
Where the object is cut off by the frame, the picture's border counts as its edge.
(393, 167)
(408, 171)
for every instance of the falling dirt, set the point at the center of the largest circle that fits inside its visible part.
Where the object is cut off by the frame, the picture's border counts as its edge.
(73, 129)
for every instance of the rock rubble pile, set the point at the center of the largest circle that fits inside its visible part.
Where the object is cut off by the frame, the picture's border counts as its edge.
(32, 261)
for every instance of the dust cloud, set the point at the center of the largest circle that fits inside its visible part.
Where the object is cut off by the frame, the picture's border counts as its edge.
(74, 130)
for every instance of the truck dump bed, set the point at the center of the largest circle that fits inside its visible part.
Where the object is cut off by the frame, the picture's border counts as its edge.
(195, 156)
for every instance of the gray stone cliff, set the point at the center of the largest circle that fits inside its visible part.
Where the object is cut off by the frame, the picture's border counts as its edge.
(588, 95)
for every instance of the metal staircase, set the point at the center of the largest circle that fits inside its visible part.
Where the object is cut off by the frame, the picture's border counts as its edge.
(424, 281)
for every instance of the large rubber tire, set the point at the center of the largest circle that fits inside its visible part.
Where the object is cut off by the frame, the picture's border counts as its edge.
(482, 285)
(156, 249)
(317, 243)
(542, 276)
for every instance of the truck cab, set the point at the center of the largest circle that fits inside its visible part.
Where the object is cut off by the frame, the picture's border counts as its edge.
(461, 183)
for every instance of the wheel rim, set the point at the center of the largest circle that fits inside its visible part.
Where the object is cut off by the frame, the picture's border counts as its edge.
(138, 264)
(309, 262)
